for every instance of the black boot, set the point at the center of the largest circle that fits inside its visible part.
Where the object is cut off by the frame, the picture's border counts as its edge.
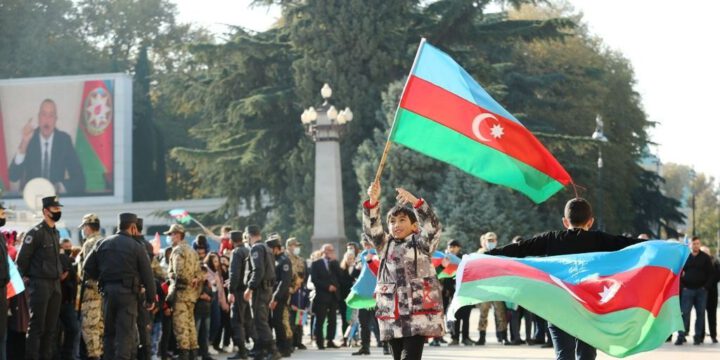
(240, 355)
(362, 351)
(386, 348)
(481, 340)
(184, 355)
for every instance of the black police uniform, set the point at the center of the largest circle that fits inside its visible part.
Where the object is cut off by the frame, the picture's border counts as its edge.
(144, 320)
(121, 265)
(283, 276)
(261, 278)
(241, 327)
(39, 260)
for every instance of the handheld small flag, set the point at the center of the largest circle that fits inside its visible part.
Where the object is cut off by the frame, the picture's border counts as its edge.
(181, 216)
(16, 285)
(362, 293)
(300, 317)
(451, 269)
(445, 114)
(622, 302)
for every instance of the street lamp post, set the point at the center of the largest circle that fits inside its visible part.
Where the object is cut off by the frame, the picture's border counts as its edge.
(324, 125)
(599, 136)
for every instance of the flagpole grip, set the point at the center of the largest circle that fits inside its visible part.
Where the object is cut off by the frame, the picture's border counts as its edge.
(383, 159)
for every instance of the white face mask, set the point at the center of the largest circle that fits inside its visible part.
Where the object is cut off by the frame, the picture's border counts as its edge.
(351, 251)
(491, 245)
(296, 251)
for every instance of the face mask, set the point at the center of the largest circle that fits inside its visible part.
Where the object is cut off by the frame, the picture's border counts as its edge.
(296, 251)
(491, 245)
(67, 252)
(351, 251)
(55, 216)
(2, 221)
(168, 240)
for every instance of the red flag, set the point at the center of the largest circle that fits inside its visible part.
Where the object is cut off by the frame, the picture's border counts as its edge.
(4, 180)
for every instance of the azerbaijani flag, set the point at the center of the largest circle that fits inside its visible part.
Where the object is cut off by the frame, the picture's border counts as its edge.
(622, 302)
(16, 285)
(445, 114)
(300, 317)
(94, 142)
(182, 216)
(451, 269)
(362, 293)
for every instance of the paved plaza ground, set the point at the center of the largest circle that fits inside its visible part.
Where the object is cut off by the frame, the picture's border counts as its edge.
(495, 351)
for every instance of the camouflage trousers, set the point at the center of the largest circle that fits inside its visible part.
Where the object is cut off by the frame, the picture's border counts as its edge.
(286, 323)
(93, 325)
(500, 321)
(183, 320)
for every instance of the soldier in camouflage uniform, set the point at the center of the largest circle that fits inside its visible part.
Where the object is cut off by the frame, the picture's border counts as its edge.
(92, 327)
(488, 241)
(186, 279)
(409, 303)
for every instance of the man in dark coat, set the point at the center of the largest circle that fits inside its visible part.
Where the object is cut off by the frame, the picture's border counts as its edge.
(325, 275)
(49, 153)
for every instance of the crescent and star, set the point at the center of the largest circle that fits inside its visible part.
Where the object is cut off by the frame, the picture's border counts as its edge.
(496, 131)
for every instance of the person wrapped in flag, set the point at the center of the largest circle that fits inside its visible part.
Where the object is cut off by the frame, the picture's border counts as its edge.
(409, 304)
(577, 238)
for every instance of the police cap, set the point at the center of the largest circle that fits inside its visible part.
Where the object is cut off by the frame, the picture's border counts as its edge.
(127, 218)
(236, 236)
(50, 201)
(273, 243)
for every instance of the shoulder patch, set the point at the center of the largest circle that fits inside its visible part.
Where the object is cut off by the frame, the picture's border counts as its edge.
(286, 267)
(28, 239)
(255, 255)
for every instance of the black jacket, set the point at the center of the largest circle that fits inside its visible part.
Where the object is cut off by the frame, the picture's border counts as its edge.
(347, 279)
(119, 259)
(322, 278)
(39, 255)
(261, 267)
(65, 167)
(237, 269)
(574, 241)
(4, 269)
(698, 271)
(283, 276)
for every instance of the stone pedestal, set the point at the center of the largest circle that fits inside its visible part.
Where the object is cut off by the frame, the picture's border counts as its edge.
(329, 219)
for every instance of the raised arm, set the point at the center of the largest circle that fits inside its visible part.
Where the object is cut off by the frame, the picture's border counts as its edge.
(428, 221)
(372, 227)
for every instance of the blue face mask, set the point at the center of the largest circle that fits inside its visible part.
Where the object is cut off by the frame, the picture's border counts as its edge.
(491, 245)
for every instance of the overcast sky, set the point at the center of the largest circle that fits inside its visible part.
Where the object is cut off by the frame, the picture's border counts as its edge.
(672, 46)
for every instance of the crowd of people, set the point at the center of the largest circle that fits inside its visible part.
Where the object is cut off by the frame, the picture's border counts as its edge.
(117, 297)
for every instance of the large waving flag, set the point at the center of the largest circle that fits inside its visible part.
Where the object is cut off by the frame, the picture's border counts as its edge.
(16, 285)
(94, 142)
(445, 114)
(450, 270)
(621, 302)
(362, 293)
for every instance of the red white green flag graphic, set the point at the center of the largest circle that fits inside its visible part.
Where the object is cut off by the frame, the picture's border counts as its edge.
(445, 114)
(94, 144)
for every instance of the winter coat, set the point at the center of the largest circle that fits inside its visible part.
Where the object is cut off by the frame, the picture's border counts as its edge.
(408, 293)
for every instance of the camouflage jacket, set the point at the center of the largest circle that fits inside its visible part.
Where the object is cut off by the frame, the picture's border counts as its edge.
(184, 268)
(298, 271)
(89, 245)
(408, 293)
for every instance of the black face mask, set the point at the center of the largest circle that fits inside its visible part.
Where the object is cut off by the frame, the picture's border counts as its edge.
(67, 252)
(2, 222)
(55, 216)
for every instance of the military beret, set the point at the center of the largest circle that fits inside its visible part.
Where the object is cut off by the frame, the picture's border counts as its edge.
(89, 219)
(236, 236)
(50, 201)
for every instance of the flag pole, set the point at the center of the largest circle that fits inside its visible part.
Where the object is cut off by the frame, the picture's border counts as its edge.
(383, 159)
